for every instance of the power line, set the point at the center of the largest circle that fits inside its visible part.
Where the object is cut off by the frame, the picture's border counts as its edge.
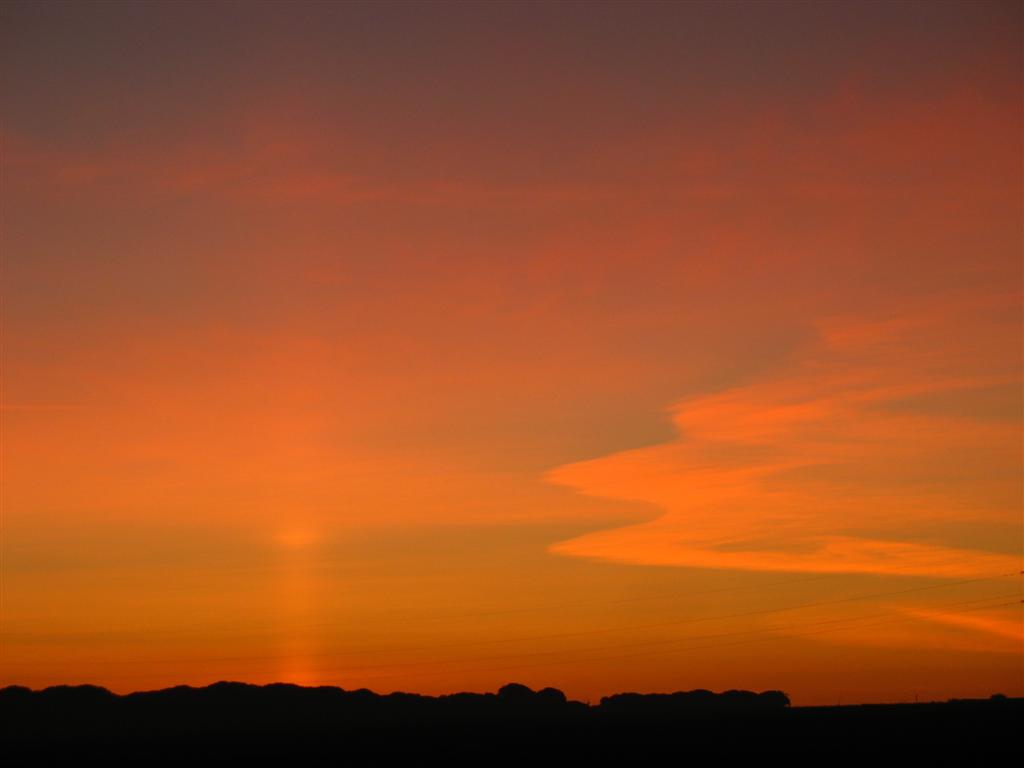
(597, 631)
(767, 634)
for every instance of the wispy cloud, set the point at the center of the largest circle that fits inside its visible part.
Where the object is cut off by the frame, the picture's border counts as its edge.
(998, 626)
(846, 462)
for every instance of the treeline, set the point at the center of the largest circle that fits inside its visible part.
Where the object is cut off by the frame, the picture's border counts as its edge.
(229, 706)
(256, 722)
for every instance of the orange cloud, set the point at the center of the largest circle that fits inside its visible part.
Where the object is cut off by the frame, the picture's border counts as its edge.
(848, 462)
(990, 625)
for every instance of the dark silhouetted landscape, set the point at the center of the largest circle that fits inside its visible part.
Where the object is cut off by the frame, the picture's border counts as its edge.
(230, 720)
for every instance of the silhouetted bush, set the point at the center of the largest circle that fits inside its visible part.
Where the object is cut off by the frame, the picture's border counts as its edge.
(321, 721)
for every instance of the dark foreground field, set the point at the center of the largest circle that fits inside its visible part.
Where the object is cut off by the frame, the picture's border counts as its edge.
(233, 721)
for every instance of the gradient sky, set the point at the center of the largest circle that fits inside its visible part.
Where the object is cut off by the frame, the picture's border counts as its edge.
(430, 346)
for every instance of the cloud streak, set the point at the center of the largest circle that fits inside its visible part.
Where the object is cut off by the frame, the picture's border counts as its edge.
(864, 456)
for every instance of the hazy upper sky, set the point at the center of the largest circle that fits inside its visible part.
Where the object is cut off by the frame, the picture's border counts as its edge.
(428, 346)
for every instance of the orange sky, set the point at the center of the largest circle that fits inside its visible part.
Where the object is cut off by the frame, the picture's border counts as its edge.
(612, 347)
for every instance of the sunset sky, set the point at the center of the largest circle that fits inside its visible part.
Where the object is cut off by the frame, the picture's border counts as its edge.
(429, 346)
